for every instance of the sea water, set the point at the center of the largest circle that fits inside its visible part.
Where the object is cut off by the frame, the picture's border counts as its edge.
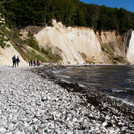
(114, 80)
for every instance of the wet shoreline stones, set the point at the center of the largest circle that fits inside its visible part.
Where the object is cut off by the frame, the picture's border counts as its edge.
(118, 113)
(32, 103)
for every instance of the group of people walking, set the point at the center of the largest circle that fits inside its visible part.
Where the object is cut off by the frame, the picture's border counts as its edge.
(34, 62)
(15, 60)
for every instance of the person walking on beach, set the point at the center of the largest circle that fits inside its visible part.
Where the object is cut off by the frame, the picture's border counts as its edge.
(30, 62)
(34, 63)
(14, 61)
(17, 60)
(38, 63)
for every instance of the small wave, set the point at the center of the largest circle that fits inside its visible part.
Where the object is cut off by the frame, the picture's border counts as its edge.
(123, 100)
(69, 67)
(57, 71)
(64, 80)
(61, 70)
(63, 76)
(81, 85)
(117, 90)
(127, 90)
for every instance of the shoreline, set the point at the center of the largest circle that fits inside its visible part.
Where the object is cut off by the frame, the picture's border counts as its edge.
(47, 72)
(104, 103)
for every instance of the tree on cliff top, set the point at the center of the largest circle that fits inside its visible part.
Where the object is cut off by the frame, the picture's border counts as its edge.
(69, 12)
(5, 1)
(3, 38)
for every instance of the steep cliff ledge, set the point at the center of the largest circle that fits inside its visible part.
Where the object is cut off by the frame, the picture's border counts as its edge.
(114, 46)
(130, 48)
(80, 45)
(76, 45)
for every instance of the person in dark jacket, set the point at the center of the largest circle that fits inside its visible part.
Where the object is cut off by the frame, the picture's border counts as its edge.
(17, 60)
(38, 63)
(30, 62)
(14, 61)
(34, 63)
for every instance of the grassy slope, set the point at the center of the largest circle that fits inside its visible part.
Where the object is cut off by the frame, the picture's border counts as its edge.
(29, 49)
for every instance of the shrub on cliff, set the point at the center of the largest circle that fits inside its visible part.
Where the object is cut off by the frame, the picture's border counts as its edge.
(3, 38)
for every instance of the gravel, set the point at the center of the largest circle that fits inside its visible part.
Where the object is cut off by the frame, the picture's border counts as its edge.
(32, 104)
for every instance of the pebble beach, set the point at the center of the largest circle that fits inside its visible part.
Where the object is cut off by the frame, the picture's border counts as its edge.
(33, 103)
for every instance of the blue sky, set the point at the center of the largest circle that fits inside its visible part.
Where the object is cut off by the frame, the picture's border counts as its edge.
(126, 4)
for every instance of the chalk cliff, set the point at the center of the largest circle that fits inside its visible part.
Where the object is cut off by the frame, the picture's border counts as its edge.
(78, 45)
(6, 55)
(130, 51)
(75, 45)
(114, 46)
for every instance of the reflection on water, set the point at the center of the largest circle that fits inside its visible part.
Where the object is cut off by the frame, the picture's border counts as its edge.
(115, 80)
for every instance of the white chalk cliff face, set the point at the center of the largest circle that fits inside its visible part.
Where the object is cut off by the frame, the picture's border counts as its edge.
(6, 55)
(78, 45)
(130, 52)
(75, 45)
(113, 45)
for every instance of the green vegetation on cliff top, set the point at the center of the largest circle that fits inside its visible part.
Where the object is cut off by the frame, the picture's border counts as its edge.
(70, 12)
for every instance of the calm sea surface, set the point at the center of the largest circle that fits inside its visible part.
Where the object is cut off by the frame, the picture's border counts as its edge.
(117, 81)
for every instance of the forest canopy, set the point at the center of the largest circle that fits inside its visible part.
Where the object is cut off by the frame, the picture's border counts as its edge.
(70, 12)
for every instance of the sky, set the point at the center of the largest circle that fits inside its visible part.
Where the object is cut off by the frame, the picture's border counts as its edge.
(126, 4)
